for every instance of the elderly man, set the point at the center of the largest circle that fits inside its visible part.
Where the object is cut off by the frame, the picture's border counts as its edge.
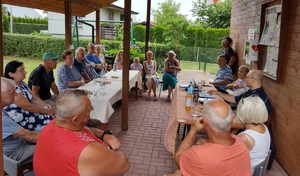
(93, 58)
(84, 67)
(67, 147)
(222, 154)
(41, 79)
(67, 75)
(224, 75)
(254, 82)
(15, 138)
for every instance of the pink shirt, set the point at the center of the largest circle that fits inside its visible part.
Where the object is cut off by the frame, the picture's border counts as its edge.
(216, 160)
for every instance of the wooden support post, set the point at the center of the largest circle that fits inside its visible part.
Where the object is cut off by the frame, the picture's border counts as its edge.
(68, 24)
(1, 71)
(126, 57)
(148, 26)
(98, 27)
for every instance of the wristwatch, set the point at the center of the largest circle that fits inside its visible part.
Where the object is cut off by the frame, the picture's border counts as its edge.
(106, 132)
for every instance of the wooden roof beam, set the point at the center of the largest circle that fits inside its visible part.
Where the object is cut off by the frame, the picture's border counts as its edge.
(87, 3)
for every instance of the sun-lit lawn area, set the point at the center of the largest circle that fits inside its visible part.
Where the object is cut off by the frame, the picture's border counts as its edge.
(31, 63)
(189, 65)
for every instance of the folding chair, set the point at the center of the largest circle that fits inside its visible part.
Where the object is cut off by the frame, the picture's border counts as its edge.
(14, 168)
(261, 169)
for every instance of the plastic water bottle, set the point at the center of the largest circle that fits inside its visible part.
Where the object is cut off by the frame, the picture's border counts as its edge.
(189, 99)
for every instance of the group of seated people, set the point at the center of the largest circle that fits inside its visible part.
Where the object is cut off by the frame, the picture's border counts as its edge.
(222, 152)
(66, 145)
(225, 151)
(76, 149)
(28, 108)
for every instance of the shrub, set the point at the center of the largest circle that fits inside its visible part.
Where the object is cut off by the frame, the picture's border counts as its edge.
(35, 45)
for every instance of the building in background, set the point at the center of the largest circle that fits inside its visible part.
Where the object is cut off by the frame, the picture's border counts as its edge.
(25, 12)
(111, 13)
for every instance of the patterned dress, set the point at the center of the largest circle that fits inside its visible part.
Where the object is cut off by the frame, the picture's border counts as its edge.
(28, 120)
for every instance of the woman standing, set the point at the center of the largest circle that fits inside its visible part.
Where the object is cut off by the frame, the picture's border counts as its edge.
(169, 77)
(150, 71)
(29, 112)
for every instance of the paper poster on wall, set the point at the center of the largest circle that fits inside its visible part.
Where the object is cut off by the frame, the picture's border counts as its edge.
(251, 51)
(271, 32)
(271, 64)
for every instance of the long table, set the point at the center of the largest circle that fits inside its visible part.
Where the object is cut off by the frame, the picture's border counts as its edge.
(105, 95)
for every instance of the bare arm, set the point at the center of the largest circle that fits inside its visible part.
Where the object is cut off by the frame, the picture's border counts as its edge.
(96, 159)
(54, 88)
(75, 84)
(23, 102)
(227, 97)
(189, 140)
(232, 60)
(220, 82)
(30, 136)
(35, 91)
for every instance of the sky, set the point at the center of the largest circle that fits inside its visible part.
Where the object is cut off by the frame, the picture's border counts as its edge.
(140, 6)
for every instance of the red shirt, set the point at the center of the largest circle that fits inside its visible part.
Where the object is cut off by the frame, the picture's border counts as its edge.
(58, 150)
(216, 160)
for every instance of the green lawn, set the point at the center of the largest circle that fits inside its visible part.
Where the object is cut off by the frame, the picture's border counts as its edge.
(189, 65)
(31, 63)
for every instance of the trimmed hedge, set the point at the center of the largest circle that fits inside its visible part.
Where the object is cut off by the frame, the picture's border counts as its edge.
(194, 36)
(26, 28)
(25, 25)
(35, 45)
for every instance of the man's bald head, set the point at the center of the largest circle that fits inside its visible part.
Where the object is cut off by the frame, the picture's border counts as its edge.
(254, 79)
(256, 74)
(7, 91)
(219, 115)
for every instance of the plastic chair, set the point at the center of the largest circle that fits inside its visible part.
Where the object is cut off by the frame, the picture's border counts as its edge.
(160, 87)
(261, 169)
(14, 168)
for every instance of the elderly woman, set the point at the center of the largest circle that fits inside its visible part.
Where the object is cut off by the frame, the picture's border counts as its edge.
(150, 73)
(29, 112)
(171, 69)
(136, 65)
(118, 64)
(239, 86)
(67, 75)
(252, 112)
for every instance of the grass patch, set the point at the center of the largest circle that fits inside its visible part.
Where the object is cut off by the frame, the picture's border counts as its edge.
(189, 65)
(32, 63)
(29, 63)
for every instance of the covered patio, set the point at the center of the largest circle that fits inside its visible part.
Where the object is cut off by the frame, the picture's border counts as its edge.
(141, 125)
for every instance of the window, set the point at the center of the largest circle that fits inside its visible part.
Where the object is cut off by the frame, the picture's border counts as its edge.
(111, 15)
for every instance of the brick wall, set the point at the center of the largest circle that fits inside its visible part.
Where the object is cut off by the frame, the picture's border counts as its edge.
(284, 94)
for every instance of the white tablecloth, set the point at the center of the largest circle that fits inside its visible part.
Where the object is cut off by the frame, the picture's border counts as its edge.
(104, 97)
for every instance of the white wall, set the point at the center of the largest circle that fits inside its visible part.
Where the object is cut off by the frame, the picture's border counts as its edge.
(56, 22)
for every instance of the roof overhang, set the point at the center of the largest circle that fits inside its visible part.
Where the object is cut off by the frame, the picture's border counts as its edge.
(79, 7)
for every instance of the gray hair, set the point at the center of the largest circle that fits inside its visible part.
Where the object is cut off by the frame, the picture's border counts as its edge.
(218, 122)
(252, 110)
(7, 84)
(78, 49)
(69, 103)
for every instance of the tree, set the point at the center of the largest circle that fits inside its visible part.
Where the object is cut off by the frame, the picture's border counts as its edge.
(216, 15)
(167, 15)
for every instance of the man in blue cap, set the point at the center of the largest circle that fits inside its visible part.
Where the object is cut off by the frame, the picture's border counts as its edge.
(41, 79)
